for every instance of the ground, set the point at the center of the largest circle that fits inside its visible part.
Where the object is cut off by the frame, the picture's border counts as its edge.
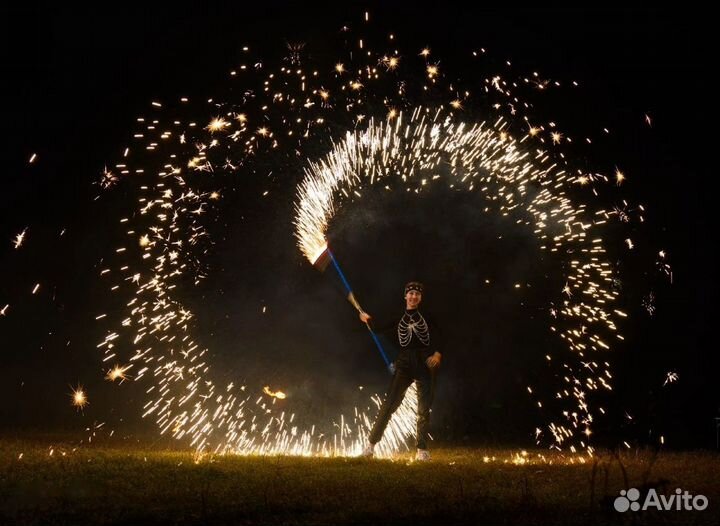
(50, 481)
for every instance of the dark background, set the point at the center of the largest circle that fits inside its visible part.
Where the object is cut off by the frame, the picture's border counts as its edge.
(74, 81)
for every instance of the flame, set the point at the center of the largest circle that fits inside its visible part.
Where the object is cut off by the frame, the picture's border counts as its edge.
(275, 394)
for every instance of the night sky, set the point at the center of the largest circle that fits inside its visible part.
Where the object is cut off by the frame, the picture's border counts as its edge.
(74, 82)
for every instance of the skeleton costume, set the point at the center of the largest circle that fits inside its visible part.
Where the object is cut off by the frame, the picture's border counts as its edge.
(413, 324)
(412, 337)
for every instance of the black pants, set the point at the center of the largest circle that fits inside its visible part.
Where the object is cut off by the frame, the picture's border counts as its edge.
(410, 367)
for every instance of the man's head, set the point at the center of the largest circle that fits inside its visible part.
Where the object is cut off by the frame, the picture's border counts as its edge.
(413, 294)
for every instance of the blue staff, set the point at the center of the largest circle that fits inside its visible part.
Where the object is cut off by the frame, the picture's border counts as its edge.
(354, 302)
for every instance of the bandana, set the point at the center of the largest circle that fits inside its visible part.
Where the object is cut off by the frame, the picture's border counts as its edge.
(414, 285)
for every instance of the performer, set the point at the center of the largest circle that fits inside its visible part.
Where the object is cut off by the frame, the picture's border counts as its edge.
(418, 361)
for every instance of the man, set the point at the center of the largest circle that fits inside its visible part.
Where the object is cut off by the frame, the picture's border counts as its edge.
(417, 362)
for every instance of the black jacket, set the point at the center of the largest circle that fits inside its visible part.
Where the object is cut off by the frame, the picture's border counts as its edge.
(390, 331)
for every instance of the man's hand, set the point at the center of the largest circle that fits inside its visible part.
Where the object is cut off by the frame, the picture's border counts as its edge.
(365, 317)
(433, 362)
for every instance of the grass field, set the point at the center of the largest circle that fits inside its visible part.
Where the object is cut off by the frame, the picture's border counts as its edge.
(44, 481)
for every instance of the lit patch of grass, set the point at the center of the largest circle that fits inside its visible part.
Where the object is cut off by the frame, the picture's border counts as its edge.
(137, 484)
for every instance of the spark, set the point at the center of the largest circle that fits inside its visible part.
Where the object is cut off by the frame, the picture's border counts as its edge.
(649, 303)
(108, 179)
(19, 239)
(619, 177)
(217, 124)
(390, 63)
(671, 377)
(117, 373)
(79, 397)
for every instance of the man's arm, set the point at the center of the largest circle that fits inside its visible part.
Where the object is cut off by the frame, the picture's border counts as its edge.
(436, 342)
(380, 329)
